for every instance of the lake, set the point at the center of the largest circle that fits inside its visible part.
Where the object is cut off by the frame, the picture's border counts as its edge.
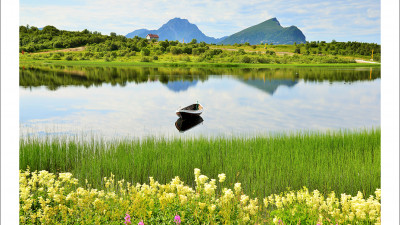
(138, 102)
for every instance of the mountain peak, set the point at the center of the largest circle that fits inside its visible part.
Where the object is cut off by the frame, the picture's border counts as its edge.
(178, 20)
(274, 20)
(269, 31)
(177, 29)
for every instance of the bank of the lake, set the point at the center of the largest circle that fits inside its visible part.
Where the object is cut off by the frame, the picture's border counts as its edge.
(30, 62)
(344, 161)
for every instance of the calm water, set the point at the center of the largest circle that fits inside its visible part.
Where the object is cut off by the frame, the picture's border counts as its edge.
(139, 102)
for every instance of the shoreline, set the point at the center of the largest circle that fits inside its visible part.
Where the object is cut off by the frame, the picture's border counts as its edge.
(185, 64)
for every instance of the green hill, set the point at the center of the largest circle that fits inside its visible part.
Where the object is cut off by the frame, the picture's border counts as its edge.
(269, 31)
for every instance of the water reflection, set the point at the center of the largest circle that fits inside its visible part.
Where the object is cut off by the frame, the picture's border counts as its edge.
(184, 125)
(178, 86)
(270, 86)
(180, 79)
(123, 101)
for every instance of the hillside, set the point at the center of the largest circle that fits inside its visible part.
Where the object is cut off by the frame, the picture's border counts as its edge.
(269, 31)
(176, 29)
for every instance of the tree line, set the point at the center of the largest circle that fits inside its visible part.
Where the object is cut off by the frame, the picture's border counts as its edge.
(108, 47)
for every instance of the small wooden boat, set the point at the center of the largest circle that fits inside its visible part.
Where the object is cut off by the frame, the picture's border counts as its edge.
(193, 110)
(186, 124)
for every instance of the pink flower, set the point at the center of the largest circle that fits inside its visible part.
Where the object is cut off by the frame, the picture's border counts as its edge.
(127, 219)
(141, 223)
(177, 219)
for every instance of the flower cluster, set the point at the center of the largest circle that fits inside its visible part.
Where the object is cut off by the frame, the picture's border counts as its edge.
(345, 210)
(47, 198)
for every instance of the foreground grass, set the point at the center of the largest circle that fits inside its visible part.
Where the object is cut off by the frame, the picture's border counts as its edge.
(49, 199)
(340, 161)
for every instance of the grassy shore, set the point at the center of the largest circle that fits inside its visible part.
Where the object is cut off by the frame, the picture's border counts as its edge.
(342, 161)
(31, 62)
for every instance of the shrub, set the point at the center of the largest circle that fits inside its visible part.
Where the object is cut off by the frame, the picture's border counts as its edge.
(245, 59)
(196, 51)
(175, 50)
(145, 52)
(145, 59)
(187, 50)
(69, 57)
(241, 51)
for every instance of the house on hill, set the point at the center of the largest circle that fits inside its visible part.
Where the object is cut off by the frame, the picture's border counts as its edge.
(152, 36)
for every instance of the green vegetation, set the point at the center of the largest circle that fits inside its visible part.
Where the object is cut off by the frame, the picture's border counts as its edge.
(55, 76)
(47, 198)
(340, 161)
(117, 48)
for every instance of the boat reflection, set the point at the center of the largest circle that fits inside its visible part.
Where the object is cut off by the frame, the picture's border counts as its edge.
(184, 125)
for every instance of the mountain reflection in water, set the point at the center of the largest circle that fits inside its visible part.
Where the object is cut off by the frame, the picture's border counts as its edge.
(184, 125)
(269, 86)
(180, 79)
(178, 86)
(140, 101)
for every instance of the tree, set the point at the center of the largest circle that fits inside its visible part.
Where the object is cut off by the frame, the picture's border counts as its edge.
(194, 41)
(50, 30)
(175, 50)
(164, 44)
(297, 50)
(23, 29)
(113, 34)
(145, 52)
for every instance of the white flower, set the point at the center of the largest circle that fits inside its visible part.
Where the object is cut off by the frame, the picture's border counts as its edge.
(212, 207)
(203, 179)
(244, 199)
(208, 188)
(238, 188)
(196, 172)
(221, 177)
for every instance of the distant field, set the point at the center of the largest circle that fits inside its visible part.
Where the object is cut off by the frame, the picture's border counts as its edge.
(178, 54)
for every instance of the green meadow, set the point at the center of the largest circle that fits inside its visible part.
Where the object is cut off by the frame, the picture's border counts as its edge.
(344, 161)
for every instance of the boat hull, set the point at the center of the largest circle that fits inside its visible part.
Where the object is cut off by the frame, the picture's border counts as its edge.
(185, 115)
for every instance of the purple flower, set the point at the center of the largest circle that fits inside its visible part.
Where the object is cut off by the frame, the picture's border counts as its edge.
(177, 219)
(127, 219)
(141, 223)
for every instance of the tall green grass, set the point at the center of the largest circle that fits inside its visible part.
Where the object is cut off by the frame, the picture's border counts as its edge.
(340, 161)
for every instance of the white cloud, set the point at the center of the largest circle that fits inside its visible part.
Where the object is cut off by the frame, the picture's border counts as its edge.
(373, 13)
(214, 18)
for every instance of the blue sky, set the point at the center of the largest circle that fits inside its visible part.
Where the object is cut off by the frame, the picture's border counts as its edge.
(342, 20)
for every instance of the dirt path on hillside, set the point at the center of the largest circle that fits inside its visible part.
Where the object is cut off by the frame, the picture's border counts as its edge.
(77, 49)
(278, 53)
(363, 61)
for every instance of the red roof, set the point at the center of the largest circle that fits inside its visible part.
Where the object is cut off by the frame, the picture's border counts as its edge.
(153, 35)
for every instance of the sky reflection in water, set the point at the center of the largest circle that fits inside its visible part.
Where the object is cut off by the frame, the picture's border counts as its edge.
(232, 106)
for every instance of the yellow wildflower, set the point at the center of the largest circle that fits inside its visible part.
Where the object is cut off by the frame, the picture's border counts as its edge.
(238, 188)
(221, 177)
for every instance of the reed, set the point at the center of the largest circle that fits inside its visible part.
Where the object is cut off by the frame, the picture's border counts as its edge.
(344, 161)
